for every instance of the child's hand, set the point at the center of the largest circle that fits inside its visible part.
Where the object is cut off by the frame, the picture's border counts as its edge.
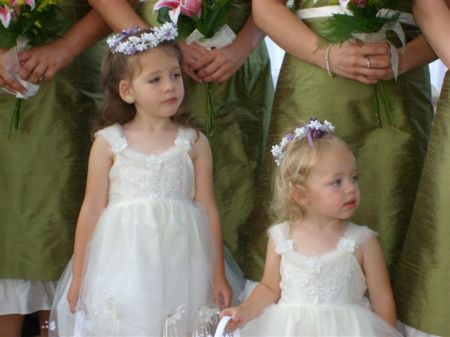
(239, 317)
(222, 292)
(73, 294)
(43, 62)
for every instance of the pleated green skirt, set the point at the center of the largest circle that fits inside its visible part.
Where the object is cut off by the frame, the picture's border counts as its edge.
(422, 285)
(43, 166)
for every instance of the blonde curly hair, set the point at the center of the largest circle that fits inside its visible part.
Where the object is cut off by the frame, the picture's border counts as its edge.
(298, 159)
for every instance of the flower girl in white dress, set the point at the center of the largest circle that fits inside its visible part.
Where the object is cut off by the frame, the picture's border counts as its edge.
(319, 265)
(148, 245)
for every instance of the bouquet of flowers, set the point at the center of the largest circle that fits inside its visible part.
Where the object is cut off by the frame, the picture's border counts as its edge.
(368, 21)
(203, 22)
(26, 23)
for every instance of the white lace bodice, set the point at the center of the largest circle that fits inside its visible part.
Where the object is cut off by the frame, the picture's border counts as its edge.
(332, 278)
(137, 176)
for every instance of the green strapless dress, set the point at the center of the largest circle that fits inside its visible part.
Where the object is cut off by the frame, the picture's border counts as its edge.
(242, 114)
(390, 145)
(423, 278)
(43, 167)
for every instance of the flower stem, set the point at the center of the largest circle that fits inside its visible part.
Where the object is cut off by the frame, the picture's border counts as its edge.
(15, 118)
(209, 108)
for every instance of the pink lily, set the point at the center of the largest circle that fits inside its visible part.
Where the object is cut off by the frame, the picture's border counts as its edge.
(5, 16)
(189, 8)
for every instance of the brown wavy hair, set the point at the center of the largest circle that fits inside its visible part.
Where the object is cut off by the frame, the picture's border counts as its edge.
(118, 67)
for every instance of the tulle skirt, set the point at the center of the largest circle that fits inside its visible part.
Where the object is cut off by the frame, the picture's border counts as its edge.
(318, 320)
(148, 267)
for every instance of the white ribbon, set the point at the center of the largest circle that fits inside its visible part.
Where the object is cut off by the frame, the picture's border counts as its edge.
(12, 66)
(222, 38)
(220, 331)
(327, 11)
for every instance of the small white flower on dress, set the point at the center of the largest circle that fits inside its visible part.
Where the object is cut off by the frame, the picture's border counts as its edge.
(346, 245)
(154, 162)
(52, 326)
(313, 265)
(284, 246)
(119, 145)
(183, 143)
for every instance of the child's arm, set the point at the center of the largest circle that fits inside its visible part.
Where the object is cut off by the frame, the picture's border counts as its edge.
(95, 200)
(380, 291)
(204, 195)
(265, 293)
(43, 62)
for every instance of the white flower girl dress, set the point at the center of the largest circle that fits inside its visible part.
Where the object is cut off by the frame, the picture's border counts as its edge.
(320, 295)
(151, 254)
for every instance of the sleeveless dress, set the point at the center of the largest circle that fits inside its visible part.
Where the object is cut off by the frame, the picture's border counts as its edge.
(422, 282)
(389, 144)
(151, 251)
(42, 177)
(242, 108)
(320, 295)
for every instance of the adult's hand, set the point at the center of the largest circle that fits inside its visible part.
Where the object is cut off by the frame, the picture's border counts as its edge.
(367, 62)
(6, 80)
(192, 53)
(218, 65)
(43, 62)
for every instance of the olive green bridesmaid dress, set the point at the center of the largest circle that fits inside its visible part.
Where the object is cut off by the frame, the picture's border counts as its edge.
(43, 166)
(242, 112)
(422, 285)
(387, 126)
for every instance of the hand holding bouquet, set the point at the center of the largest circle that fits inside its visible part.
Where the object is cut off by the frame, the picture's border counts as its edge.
(26, 23)
(202, 22)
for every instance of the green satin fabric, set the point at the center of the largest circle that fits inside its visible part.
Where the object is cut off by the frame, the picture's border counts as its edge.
(242, 113)
(423, 279)
(43, 167)
(390, 146)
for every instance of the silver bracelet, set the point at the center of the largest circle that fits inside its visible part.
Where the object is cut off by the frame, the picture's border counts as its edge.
(327, 60)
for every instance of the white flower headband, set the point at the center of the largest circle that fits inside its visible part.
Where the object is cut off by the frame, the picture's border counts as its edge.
(130, 42)
(314, 129)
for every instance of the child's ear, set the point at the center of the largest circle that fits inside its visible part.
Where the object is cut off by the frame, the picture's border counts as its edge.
(125, 91)
(298, 193)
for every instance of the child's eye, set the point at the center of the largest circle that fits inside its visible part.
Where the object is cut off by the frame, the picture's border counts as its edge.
(355, 177)
(337, 182)
(176, 75)
(154, 80)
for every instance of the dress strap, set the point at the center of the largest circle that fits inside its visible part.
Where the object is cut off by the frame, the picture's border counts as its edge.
(114, 136)
(185, 138)
(279, 235)
(359, 233)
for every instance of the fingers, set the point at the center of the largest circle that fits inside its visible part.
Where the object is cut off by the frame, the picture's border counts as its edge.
(375, 48)
(10, 84)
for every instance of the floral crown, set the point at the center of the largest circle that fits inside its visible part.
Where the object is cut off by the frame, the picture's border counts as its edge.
(135, 40)
(314, 129)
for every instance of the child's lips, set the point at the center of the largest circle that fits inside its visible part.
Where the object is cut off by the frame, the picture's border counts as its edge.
(171, 100)
(350, 204)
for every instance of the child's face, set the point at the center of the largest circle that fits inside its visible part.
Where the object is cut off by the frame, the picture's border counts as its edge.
(332, 190)
(157, 85)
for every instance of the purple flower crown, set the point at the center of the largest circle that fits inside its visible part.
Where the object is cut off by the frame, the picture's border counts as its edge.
(314, 129)
(135, 40)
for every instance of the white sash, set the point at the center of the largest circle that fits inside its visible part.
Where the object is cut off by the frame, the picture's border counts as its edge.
(327, 11)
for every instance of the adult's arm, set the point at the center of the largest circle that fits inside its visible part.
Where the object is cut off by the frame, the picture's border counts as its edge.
(433, 17)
